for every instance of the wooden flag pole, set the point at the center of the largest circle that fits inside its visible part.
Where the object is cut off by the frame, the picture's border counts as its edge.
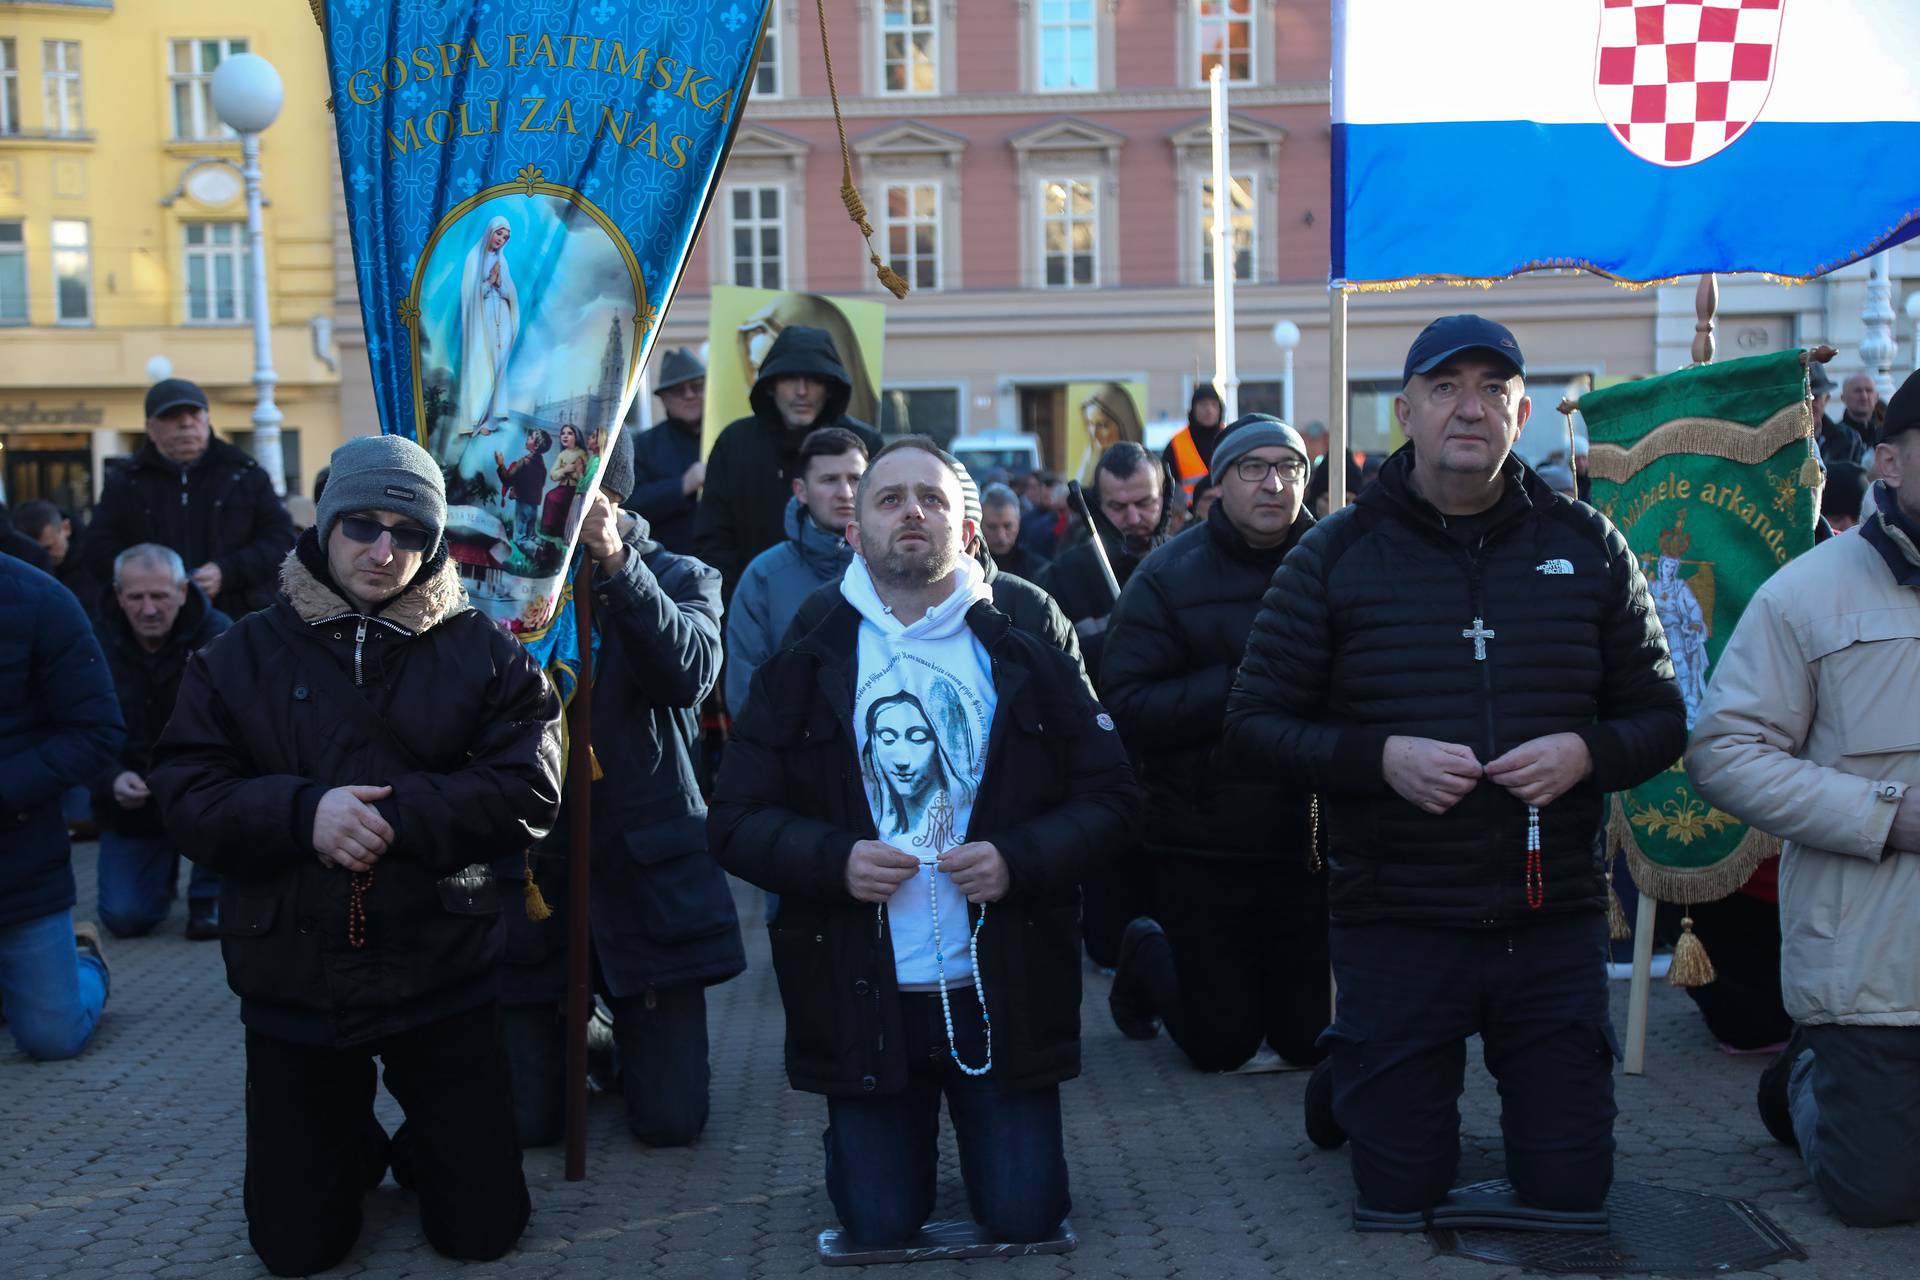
(579, 860)
(1706, 301)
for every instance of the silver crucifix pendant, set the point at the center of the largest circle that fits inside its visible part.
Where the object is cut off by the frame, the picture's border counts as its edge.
(1479, 633)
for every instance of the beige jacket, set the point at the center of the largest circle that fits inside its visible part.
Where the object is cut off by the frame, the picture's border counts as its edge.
(1811, 730)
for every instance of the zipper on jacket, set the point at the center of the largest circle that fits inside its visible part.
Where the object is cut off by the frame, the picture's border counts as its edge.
(1475, 564)
(359, 642)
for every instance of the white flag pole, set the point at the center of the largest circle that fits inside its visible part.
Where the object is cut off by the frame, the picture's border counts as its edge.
(1337, 405)
(1226, 380)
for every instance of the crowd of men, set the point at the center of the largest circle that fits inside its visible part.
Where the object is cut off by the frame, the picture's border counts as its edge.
(1219, 737)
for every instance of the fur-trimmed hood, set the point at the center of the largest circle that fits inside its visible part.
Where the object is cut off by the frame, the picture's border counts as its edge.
(435, 595)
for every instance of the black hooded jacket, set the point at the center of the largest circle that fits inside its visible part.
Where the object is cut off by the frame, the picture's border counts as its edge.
(147, 684)
(1074, 579)
(1177, 638)
(1360, 637)
(743, 506)
(221, 509)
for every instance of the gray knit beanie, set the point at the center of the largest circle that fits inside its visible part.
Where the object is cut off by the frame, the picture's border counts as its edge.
(383, 473)
(1254, 431)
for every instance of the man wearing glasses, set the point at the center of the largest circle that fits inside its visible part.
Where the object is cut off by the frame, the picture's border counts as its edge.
(1235, 953)
(1461, 664)
(342, 759)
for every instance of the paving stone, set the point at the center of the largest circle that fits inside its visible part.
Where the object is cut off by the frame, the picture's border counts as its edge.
(1175, 1173)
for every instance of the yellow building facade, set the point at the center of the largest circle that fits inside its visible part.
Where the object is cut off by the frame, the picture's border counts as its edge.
(123, 233)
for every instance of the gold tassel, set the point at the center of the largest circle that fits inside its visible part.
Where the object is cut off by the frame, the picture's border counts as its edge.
(1618, 930)
(537, 908)
(1690, 967)
(594, 760)
(850, 194)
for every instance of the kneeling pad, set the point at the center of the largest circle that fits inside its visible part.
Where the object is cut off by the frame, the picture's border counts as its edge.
(937, 1242)
(1484, 1206)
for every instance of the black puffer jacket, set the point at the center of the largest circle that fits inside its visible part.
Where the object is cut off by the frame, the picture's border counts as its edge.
(471, 748)
(1177, 638)
(1055, 798)
(743, 507)
(1075, 582)
(1359, 638)
(1030, 609)
(221, 509)
(147, 684)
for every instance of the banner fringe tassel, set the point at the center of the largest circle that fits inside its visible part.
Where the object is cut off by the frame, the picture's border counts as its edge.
(850, 194)
(1618, 929)
(1690, 967)
(536, 902)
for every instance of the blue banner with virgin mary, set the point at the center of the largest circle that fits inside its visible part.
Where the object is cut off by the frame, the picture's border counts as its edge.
(524, 180)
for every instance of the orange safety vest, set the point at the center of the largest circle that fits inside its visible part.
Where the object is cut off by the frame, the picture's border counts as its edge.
(1186, 458)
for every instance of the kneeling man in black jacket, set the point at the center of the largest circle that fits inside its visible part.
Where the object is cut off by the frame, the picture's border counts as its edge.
(1462, 664)
(348, 760)
(924, 786)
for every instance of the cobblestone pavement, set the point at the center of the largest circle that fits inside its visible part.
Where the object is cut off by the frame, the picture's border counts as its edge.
(127, 1161)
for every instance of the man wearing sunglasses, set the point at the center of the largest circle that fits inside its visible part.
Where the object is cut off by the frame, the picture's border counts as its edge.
(342, 760)
(1235, 953)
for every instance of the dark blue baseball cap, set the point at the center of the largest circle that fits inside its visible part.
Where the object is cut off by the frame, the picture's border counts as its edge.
(1450, 335)
(173, 393)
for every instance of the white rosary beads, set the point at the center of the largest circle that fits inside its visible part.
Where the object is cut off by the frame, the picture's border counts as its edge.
(940, 967)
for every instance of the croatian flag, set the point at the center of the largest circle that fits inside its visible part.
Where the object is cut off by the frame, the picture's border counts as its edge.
(1642, 139)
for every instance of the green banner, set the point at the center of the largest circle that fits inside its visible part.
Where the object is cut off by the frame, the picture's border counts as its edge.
(1710, 475)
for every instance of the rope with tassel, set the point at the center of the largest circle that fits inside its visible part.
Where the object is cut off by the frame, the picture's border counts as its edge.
(850, 194)
(1690, 966)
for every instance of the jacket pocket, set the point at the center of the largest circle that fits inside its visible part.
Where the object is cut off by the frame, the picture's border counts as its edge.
(247, 910)
(470, 891)
(810, 993)
(1867, 663)
(681, 892)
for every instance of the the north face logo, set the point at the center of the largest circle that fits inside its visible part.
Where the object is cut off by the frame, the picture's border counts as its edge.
(1554, 566)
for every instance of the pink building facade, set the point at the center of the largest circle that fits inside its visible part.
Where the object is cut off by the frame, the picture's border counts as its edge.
(1039, 170)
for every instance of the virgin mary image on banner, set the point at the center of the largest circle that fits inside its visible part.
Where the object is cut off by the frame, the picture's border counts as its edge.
(527, 332)
(489, 324)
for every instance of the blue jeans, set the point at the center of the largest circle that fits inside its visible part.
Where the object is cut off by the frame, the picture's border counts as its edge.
(52, 994)
(137, 876)
(883, 1153)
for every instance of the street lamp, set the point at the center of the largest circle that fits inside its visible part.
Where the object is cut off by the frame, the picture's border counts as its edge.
(1286, 336)
(246, 96)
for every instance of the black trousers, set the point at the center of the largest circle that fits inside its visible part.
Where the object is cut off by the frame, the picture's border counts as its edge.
(1742, 1004)
(1249, 950)
(310, 1146)
(1110, 898)
(661, 1040)
(1536, 993)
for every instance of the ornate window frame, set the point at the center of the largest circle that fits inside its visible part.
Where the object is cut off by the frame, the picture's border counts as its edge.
(918, 153)
(763, 157)
(1066, 147)
(1253, 147)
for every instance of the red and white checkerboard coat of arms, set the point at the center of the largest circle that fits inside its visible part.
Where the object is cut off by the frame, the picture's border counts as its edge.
(1680, 80)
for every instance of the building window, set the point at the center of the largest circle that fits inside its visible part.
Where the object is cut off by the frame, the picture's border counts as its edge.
(13, 273)
(1240, 225)
(60, 72)
(909, 47)
(9, 88)
(910, 226)
(1066, 45)
(758, 233)
(219, 283)
(1069, 221)
(72, 274)
(1223, 36)
(766, 72)
(191, 73)
(927, 411)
